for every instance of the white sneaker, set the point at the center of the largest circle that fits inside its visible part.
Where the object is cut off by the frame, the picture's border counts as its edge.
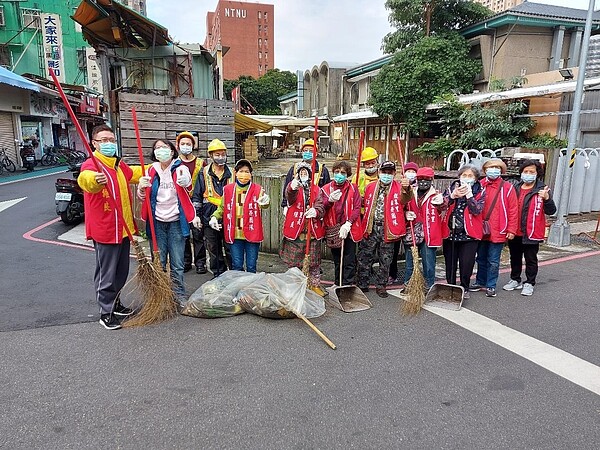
(512, 285)
(527, 289)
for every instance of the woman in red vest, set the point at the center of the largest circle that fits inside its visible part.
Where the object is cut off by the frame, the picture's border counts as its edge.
(242, 222)
(534, 202)
(425, 209)
(342, 203)
(299, 193)
(383, 223)
(463, 225)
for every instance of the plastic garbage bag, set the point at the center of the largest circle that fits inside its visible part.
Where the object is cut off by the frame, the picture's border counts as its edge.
(217, 297)
(280, 296)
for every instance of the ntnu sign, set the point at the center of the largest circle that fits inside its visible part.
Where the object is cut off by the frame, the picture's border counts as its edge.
(234, 12)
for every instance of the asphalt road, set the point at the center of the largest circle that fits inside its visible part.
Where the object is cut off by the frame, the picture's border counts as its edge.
(246, 382)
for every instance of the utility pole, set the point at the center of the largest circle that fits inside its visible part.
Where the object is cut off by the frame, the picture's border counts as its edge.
(560, 231)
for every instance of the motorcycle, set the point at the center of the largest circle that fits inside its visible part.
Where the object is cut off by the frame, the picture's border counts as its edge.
(69, 197)
(28, 157)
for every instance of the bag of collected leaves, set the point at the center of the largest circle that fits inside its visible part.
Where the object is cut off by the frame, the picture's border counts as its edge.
(217, 297)
(280, 296)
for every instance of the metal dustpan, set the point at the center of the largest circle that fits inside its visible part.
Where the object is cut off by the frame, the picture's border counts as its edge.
(447, 296)
(347, 298)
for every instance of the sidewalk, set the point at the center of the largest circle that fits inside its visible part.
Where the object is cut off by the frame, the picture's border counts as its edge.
(20, 174)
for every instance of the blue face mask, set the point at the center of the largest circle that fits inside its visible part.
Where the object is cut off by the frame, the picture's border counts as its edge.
(528, 177)
(307, 156)
(386, 178)
(339, 178)
(108, 149)
(467, 181)
(493, 173)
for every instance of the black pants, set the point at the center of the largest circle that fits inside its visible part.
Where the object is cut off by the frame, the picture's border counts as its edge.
(112, 270)
(518, 250)
(348, 264)
(464, 256)
(215, 243)
(394, 266)
(197, 239)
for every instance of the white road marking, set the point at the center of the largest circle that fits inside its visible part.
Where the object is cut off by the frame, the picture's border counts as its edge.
(8, 203)
(563, 364)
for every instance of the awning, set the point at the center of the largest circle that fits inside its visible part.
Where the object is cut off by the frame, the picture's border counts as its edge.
(298, 122)
(111, 23)
(12, 79)
(244, 123)
(366, 114)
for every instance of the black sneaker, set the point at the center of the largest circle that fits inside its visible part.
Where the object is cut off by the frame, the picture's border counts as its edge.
(110, 322)
(490, 292)
(201, 269)
(476, 287)
(122, 311)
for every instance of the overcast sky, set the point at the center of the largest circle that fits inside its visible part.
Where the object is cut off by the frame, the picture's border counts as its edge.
(307, 32)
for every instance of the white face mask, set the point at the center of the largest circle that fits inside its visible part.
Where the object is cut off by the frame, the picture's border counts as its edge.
(304, 178)
(185, 149)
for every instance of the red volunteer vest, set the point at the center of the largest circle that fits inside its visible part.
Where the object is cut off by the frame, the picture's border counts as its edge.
(393, 222)
(473, 224)
(536, 219)
(356, 230)
(253, 229)
(430, 217)
(185, 202)
(295, 221)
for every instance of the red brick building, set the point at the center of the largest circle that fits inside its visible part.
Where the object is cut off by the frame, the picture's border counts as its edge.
(247, 29)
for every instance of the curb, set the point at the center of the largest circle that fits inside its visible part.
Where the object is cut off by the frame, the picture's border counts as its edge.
(30, 175)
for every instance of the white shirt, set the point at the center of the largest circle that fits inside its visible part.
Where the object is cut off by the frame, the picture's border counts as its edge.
(167, 203)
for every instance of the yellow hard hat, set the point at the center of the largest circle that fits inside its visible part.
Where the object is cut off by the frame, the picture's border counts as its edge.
(216, 144)
(368, 154)
(186, 134)
(308, 143)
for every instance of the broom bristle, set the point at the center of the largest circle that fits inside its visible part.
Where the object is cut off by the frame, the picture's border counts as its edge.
(415, 288)
(155, 288)
(306, 265)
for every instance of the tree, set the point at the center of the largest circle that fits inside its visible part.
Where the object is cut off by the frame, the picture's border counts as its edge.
(416, 19)
(262, 93)
(419, 73)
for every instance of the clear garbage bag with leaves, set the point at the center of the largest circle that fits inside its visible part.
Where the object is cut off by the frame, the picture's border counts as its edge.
(281, 296)
(217, 297)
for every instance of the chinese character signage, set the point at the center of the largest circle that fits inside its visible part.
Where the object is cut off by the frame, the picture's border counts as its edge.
(52, 37)
(94, 78)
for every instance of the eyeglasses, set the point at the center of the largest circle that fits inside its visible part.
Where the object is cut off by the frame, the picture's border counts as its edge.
(106, 140)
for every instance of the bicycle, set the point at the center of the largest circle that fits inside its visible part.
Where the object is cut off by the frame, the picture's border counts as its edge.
(6, 162)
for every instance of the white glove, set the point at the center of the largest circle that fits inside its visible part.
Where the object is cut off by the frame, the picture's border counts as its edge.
(197, 223)
(263, 200)
(183, 177)
(295, 183)
(214, 224)
(311, 213)
(285, 210)
(437, 199)
(335, 196)
(410, 216)
(345, 229)
(144, 182)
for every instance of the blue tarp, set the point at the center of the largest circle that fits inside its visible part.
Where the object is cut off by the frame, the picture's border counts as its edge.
(12, 79)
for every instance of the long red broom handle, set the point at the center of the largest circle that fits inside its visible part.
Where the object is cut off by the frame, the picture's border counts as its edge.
(313, 167)
(412, 227)
(141, 154)
(111, 200)
(361, 144)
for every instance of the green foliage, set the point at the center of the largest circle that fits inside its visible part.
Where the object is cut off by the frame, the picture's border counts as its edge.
(545, 140)
(500, 84)
(436, 149)
(417, 74)
(262, 93)
(411, 17)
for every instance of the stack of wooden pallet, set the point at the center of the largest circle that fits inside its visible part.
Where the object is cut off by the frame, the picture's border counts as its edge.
(250, 148)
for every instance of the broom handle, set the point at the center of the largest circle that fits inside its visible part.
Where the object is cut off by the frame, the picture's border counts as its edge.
(316, 330)
(361, 143)
(111, 200)
(147, 199)
(312, 181)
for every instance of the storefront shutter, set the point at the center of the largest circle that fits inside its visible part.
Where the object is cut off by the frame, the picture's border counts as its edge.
(7, 135)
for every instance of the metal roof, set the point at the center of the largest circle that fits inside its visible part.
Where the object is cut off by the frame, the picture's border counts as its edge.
(12, 79)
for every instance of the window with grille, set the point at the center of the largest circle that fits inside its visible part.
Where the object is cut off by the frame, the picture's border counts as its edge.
(31, 18)
(2, 23)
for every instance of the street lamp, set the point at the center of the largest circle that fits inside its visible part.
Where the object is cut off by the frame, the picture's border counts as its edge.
(567, 74)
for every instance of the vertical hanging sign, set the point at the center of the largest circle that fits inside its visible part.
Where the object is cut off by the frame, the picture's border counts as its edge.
(52, 36)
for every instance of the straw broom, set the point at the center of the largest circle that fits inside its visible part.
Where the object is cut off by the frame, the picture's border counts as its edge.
(153, 281)
(146, 271)
(306, 262)
(415, 288)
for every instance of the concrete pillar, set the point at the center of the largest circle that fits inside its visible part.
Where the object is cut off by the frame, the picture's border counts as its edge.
(557, 45)
(575, 47)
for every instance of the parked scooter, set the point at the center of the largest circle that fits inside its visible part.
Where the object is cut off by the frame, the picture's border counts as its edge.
(69, 198)
(28, 156)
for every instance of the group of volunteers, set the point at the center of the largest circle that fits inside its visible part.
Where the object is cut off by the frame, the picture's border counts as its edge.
(202, 206)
